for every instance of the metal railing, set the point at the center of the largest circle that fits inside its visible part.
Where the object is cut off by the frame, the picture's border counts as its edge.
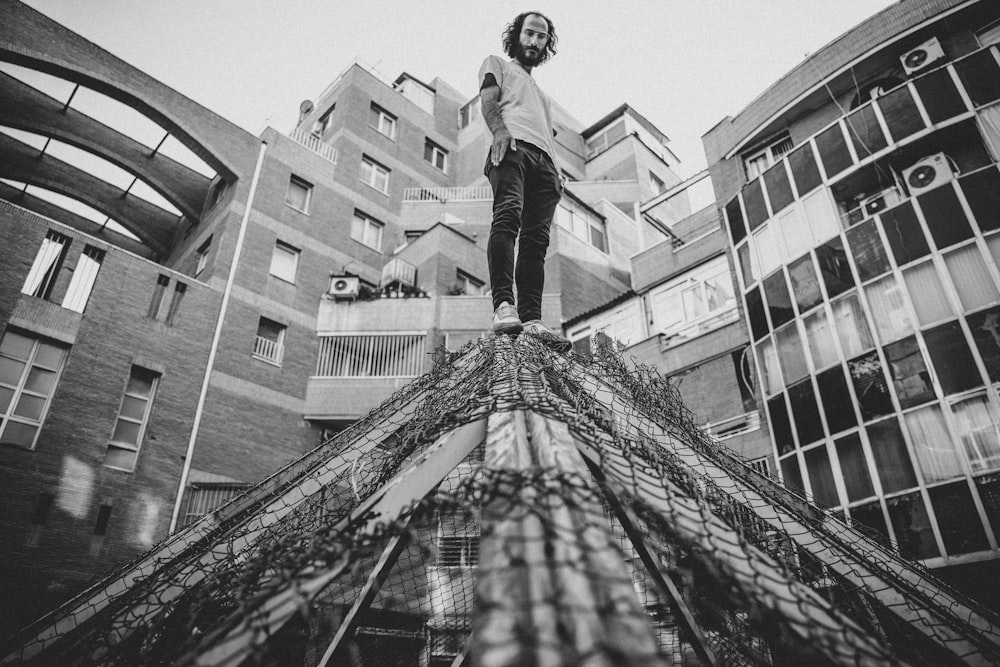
(442, 195)
(268, 349)
(314, 143)
(738, 425)
(371, 355)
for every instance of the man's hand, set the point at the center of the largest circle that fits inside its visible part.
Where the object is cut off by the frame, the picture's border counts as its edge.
(501, 141)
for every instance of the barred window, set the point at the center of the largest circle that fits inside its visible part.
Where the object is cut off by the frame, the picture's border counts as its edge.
(371, 355)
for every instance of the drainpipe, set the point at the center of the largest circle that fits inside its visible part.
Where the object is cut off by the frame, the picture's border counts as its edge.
(199, 411)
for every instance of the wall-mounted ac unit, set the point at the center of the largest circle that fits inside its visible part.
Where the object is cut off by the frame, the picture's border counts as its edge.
(922, 56)
(344, 287)
(927, 173)
(877, 203)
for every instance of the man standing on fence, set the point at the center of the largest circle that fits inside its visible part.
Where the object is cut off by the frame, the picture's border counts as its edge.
(526, 184)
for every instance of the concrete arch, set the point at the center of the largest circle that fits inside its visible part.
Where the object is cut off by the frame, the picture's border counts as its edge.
(24, 108)
(228, 149)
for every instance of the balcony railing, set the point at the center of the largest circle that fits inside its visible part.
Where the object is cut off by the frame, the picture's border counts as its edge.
(314, 143)
(269, 350)
(684, 331)
(442, 195)
(371, 355)
(738, 425)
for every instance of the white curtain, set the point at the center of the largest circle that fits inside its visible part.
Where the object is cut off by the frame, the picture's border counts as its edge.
(83, 280)
(977, 425)
(852, 328)
(824, 352)
(793, 358)
(927, 294)
(972, 281)
(41, 273)
(932, 444)
(885, 298)
(769, 367)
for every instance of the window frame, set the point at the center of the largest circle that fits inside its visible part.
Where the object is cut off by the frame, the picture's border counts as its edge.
(470, 285)
(260, 351)
(306, 186)
(20, 389)
(143, 423)
(322, 124)
(367, 223)
(436, 150)
(370, 169)
(383, 118)
(202, 254)
(290, 251)
(47, 265)
(768, 153)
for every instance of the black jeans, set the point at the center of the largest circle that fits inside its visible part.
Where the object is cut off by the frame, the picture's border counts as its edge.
(526, 190)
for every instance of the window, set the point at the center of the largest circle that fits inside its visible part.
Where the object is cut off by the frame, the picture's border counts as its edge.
(284, 261)
(38, 519)
(154, 304)
(367, 230)
(977, 426)
(436, 155)
(416, 92)
(101, 526)
(375, 175)
(202, 256)
(29, 371)
(390, 355)
(607, 138)
(656, 183)
(457, 541)
(470, 112)
(42, 276)
(323, 123)
(299, 193)
(989, 34)
(270, 342)
(694, 297)
(201, 499)
(84, 277)
(383, 121)
(215, 193)
(133, 417)
(175, 303)
(758, 161)
(932, 445)
(469, 285)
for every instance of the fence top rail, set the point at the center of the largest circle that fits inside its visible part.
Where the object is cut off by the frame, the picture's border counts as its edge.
(379, 334)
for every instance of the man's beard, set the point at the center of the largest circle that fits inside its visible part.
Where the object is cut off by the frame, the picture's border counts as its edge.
(530, 60)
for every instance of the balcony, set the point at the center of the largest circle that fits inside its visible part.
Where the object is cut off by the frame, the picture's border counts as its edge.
(443, 195)
(315, 144)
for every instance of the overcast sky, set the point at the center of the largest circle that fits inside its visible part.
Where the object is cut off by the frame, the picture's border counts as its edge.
(684, 64)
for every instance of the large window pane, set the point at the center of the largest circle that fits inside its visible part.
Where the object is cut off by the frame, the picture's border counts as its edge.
(833, 150)
(957, 519)
(779, 303)
(795, 232)
(854, 468)
(909, 374)
(951, 358)
(802, 401)
(779, 190)
(885, 298)
(892, 461)
(932, 444)
(870, 516)
(820, 337)
(940, 96)
(793, 358)
(838, 406)
(902, 231)
(985, 328)
(912, 526)
(867, 250)
(972, 280)
(824, 489)
(901, 114)
(769, 367)
(869, 386)
(804, 169)
(980, 75)
(781, 426)
(824, 221)
(927, 293)
(989, 493)
(982, 191)
(851, 326)
(945, 217)
(805, 285)
(766, 244)
(753, 202)
(758, 320)
(865, 132)
(735, 216)
(834, 268)
(791, 474)
(976, 421)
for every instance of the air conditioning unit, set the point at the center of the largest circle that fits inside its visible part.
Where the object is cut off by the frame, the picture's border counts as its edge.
(877, 203)
(922, 56)
(927, 173)
(344, 287)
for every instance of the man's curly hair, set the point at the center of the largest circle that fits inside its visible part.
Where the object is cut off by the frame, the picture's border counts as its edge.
(513, 33)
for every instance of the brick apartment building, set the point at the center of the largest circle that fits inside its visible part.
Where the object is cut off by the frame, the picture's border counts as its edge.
(859, 208)
(223, 301)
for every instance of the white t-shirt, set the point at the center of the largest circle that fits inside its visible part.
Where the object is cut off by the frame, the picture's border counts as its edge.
(525, 109)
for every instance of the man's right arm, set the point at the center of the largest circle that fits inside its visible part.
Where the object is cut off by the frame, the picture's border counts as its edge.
(489, 96)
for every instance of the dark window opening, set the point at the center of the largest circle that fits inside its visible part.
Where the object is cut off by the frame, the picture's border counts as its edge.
(945, 217)
(781, 428)
(833, 150)
(982, 191)
(892, 461)
(957, 518)
(791, 474)
(940, 96)
(837, 403)
(779, 190)
(867, 250)
(902, 230)
(758, 320)
(834, 267)
(901, 114)
(805, 284)
(854, 468)
(735, 216)
(779, 303)
(865, 132)
(154, 305)
(753, 201)
(870, 516)
(909, 374)
(824, 488)
(985, 328)
(912, 526)
(808, 424)
(103, 519)
(870, 386)
(980, 75)
(804, 169)
(951, 358)
(175, 302)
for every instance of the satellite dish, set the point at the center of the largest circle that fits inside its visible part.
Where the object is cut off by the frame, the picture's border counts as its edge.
(306, 107)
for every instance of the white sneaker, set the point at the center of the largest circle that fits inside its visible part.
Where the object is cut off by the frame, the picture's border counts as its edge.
(505, 320)
(547, 336)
